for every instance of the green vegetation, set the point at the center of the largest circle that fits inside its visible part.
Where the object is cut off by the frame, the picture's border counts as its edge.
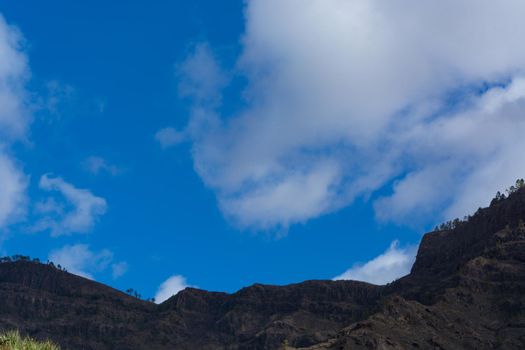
(453, 224)
(285, 346)
(520, 183)
(17, 257)
(14, 341)
(134, 293)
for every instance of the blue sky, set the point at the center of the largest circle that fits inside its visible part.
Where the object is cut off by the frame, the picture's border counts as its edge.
(228, 143)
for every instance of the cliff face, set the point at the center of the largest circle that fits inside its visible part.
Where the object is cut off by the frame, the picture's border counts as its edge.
(466, 291)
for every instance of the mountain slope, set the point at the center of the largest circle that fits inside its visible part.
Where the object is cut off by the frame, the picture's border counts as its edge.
(465, 291)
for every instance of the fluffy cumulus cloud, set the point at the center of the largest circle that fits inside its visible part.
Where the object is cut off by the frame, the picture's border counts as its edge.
(394, 263)
(170, 287)
(81, 260)
(74, 210)
(14, 119)
(343, 98)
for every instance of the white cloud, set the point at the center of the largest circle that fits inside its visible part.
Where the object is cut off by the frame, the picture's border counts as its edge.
(285, 202)
(429, 94)
(394, 263)
(14, 72)
(200, 76)
(80, 260)
(77, 213)
(119, 269)
(169, 136)
(96, 165)
(470, 154)
(170, 287)
(56, 97)
(13, 185)
(15, 116)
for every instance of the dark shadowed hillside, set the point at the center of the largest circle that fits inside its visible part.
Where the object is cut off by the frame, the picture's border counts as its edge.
(466, 291)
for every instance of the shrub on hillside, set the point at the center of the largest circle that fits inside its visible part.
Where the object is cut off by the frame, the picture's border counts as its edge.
(14, 341)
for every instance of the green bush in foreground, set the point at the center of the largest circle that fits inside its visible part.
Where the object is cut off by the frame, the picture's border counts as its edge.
(13, 341)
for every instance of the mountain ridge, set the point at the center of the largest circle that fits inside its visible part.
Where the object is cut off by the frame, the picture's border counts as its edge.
(465, 291)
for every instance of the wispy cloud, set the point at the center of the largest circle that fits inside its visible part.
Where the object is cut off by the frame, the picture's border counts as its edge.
(394, 263)
(75, 210)
(97, 165)
(57, 95)
(119, 269)
(13, 185)
(168, 137)
(80, 260)
(401, 95)
(200, 76)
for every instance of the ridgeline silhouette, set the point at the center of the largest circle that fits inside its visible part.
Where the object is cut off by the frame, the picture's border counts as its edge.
(466, 290)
